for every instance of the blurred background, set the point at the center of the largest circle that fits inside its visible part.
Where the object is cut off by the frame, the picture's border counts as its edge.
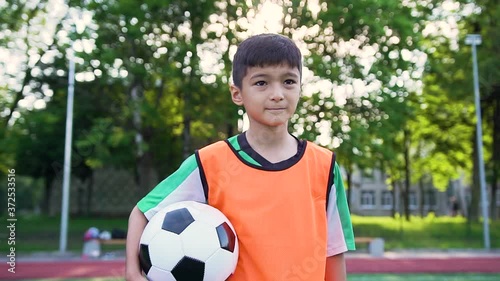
(387, 84)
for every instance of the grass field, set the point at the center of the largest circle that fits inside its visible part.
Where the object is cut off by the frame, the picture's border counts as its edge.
(426, 233)
(363, 277)
(42, 233)
(424, 277)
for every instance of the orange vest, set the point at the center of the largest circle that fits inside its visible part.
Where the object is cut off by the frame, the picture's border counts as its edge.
(279, 216)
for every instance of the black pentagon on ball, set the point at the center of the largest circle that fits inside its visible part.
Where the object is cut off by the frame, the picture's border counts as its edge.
(144, 259)
(189, 269)
(177, 220)
(227, 238)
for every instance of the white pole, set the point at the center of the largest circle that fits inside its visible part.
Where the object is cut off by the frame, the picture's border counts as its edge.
(473, 40)
(67, 154)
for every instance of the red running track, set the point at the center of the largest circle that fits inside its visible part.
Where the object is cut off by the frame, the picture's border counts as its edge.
(99, 268)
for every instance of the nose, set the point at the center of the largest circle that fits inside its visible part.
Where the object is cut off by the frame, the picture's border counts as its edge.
(277, 93)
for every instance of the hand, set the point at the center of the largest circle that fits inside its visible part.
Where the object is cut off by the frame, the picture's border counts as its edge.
(335, 268)
(137, 276)
(137, 223)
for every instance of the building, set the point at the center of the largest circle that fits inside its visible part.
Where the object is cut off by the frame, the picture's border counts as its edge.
(372, 196)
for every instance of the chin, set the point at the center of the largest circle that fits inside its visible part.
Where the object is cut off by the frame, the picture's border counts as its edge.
(277, 123)
(271, 121)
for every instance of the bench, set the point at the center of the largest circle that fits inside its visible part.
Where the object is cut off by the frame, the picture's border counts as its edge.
(92, 248)
(113, 241)
(375, 245)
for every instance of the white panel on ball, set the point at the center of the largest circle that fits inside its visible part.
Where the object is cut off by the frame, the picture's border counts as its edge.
(199, 240)
(158, 274)
(165, 250)
(208, 214)
(155, 223)
(216, 266)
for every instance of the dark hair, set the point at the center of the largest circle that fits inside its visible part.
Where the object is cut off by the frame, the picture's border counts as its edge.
(265, 50)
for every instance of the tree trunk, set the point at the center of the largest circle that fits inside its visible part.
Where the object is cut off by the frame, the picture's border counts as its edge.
(494, 190)
(55, 173)
(464, 205)
(137, 120)
(186, 114)
(406, 193)
(404, 202)
(421, 202)
(146, 175)
(80, 199)
(186, 134)
(475, 188)
(349, 187)
(393, 210)
(90, 193)
(47, 195)
(496, 155)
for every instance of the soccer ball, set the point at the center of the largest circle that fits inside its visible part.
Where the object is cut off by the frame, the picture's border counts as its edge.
(188, 241)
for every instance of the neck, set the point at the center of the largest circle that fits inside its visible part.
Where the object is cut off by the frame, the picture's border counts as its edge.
(268, 137)
(274, 144)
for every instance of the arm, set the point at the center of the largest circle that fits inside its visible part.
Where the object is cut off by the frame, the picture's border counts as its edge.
(136, 224)
(340, 234)
(335, 268)
(187, 186)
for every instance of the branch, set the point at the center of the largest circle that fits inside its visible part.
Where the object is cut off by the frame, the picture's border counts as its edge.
(18, 97)
(28, 76)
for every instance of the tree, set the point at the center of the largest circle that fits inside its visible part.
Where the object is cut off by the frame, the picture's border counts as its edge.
(486, 24)
(368, 55)
(449, 87)
(25, 27)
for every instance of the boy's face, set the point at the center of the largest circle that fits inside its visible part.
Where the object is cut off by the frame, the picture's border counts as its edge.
(269, 94)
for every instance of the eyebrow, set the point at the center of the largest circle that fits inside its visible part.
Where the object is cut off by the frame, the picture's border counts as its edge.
(264, 75)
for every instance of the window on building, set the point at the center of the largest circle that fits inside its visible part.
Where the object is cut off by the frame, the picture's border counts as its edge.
(430, 199)
(387, 199)
(368, 199)
(413, 200)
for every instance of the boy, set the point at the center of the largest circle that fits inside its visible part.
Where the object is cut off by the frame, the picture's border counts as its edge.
(284, 196)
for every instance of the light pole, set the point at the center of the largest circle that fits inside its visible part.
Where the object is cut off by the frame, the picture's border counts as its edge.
(474, 40)
(79, 27)
(67, 153)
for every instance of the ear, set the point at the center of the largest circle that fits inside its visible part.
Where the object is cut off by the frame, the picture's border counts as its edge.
(236, 95)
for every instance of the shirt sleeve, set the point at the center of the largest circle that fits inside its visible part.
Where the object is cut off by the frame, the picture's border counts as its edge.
(183, 185)
(340, 234)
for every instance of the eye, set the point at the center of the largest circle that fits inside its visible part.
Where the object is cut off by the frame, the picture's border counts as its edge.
(260, 83)
(290, 82)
